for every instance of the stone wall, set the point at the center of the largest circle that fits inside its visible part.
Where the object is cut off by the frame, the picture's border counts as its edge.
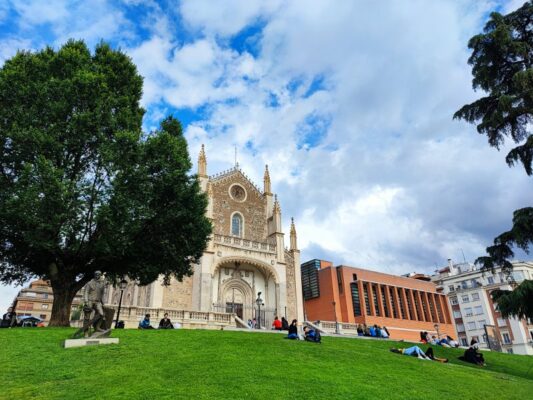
(252, 209)
(178, 294)
(291, 286)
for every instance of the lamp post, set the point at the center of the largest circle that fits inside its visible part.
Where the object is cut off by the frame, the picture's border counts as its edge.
(259, 303)
(122, 285)
(336, 321)
(436, 326)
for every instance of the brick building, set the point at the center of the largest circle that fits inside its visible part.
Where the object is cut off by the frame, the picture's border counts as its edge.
(405, 305)
(36, 300)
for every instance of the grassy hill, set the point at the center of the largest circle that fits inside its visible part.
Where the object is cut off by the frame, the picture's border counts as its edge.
(185, 364)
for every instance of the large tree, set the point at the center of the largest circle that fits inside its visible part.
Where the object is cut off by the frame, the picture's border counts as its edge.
(81, 187)
(502, 66)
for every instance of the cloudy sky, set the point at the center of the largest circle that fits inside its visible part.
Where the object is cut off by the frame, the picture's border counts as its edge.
(350, 103)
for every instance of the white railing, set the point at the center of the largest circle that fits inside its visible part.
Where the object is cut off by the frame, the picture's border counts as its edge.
(244, 243)
(132, 315)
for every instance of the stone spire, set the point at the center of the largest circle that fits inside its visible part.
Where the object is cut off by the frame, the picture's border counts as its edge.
(202, 163)
(277, 208)
(294, 245)
(266, 181)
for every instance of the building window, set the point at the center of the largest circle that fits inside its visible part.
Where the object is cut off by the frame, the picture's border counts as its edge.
(468, 312)
(42, 316)
(481, 324)
(506, 338)
(367, 302)
(501, 322)
(356, 301)
(454, 301)
(510, 351)
(451, 288)
(471, 326)
(310, 285)
(400, 301)
(384, 302)
(236, 225)
(456, 314)
(490, 279)
(354, 277)
(393, 304)
(465, 299)
(417, 306)
(44, 306)
(464, 285)
(339, 280)
(475, 296)
(375, 297)
(460, 328)
(464, 342)
(478, 310)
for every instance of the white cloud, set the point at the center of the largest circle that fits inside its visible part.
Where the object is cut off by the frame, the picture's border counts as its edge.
(369, 160)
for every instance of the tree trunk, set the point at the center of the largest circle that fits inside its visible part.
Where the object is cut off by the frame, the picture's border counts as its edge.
(61, 307)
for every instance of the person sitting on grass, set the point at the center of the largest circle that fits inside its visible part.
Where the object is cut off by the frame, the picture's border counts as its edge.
(384, 333)
(165, 323)
(372, 331)
(312, 335)
(360, 330)
(293, 330)
(276, 325)
(416, 351)
(284, 324)
(472, 355)
(145, 323)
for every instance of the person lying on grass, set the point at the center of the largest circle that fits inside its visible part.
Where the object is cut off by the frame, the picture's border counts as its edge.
(416, 351)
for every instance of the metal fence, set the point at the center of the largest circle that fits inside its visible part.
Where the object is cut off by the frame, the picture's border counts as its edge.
(248, 312)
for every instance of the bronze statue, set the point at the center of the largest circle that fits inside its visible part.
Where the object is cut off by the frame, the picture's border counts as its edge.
(93, 296)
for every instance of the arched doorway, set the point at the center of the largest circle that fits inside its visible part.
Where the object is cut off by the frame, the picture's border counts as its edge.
(236, 283)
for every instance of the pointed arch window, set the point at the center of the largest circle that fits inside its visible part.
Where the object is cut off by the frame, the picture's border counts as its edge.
(236, 225)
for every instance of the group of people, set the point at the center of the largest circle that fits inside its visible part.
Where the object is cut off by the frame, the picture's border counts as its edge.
(448, 341)
(310, 334)
(373, 331)
(165, 323)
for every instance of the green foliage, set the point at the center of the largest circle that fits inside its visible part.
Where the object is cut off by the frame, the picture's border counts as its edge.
(199, 364)
(516, 303)
(502, 66)
(502, 62)
(81, 188)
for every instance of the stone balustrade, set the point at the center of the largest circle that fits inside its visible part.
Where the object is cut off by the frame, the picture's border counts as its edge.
(187, 319)
(241, 243)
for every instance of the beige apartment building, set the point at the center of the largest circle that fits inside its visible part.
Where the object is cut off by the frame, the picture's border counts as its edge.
(468, 291)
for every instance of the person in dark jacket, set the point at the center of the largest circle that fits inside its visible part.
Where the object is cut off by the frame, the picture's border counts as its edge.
(293, 330)
(284, 324)
(472, 355)
(312, 335)
(9, 319)
(165, 323)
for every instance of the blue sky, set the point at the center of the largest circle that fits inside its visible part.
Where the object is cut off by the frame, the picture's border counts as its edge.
(349, 103)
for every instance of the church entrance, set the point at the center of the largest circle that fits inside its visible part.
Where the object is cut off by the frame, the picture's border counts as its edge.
(235, 308)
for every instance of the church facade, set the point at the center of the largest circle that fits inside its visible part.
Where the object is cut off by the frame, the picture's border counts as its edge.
(245, 260)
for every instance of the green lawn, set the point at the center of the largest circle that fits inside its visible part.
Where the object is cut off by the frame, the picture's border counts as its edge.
(184, 364)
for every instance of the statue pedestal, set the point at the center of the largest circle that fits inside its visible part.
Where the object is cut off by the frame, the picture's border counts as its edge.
(88, 342)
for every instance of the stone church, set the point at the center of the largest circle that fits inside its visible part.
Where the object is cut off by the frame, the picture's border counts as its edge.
(245, 256)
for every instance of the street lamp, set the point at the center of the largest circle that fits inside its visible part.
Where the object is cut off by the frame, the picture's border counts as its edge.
(259, 303)
(436, 326)
(122, 285)
(336, 321)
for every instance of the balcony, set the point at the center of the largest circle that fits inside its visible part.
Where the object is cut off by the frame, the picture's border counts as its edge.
(245, 244)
